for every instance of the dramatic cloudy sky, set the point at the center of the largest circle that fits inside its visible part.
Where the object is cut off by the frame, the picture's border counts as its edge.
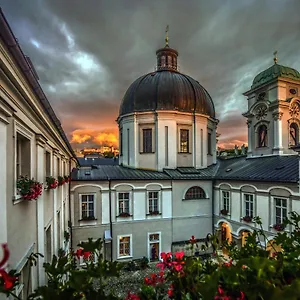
(87, 52)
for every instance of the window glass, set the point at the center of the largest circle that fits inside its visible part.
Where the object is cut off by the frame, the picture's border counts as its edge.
(184, 141)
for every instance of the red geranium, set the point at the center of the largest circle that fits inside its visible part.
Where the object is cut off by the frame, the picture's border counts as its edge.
(52, 183)
(29, 189)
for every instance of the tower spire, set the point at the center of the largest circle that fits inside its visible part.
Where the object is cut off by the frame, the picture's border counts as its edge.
(275, 57)
(167, 36)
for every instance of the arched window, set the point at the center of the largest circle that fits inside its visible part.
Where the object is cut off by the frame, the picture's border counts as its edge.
(262, 136)
(194, 192)
(294, 134)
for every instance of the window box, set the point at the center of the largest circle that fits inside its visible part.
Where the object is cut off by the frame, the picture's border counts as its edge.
(224, 212)
(88, 218)
(61, 180)
(247, 219)
(154, 213)
(29, 189)
(279, 227)
(124, 215)
(52, 183)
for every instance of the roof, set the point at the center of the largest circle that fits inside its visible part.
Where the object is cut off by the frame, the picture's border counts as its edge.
(28, 71)
(284, 169)
(269, 168)
(167, 89)
(98, 161)
(273, 72)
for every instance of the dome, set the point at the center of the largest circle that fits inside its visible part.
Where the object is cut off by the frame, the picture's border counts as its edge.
(167, 89)
(275, 71)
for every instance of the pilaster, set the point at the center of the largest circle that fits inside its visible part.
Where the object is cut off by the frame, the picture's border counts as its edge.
(277, 133)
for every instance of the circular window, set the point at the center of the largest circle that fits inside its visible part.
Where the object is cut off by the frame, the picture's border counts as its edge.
(293, 91)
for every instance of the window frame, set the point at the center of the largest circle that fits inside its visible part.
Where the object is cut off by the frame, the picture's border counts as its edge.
(297, 134)
(225, 206)
(25, 133)
(152, 242)
(266, 137)
(198, 198)
(80, 203)
(245, 201)
(147, 141)
(129, 202)
(181, 146)
(281, 207)
(130, 246)
(158, 202)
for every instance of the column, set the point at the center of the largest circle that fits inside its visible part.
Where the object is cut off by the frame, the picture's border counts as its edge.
(249, 123)
(3, 180)
(55, 196)
(277, 147)
(40, 176)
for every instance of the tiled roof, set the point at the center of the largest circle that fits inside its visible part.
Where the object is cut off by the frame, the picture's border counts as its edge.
(268, 169)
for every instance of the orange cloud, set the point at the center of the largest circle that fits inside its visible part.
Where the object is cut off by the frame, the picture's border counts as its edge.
(94, 138)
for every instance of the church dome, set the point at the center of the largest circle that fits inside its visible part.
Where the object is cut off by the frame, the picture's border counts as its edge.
(167, 89)
(273, 72)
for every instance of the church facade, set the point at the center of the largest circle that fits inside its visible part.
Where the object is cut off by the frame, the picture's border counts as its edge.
(170, 184)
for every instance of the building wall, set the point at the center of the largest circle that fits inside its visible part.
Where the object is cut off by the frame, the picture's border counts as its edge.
(264, 205)
(22, 116)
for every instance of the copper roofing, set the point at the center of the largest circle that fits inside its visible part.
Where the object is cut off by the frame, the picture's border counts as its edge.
(167, 90)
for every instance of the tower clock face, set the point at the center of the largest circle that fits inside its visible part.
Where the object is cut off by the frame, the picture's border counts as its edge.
(261, 112)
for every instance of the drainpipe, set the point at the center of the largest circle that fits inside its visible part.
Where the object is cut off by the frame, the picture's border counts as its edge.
(110, 220)
(213, 205)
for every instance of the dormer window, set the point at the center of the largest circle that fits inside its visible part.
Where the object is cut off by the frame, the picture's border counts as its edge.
(262, 136)
(294, 134)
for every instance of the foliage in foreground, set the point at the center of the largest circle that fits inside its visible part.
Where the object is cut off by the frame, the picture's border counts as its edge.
(250, 272)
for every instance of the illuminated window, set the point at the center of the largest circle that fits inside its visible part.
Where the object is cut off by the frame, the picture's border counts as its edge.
(87, 207)
(184, 141)
(124, 246)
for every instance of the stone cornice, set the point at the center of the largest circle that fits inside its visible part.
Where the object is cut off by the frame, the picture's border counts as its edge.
(40, 140)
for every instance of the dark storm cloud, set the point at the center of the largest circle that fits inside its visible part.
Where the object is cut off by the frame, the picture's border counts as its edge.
(89, 51)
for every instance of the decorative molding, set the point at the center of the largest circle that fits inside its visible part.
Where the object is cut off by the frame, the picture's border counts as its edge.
(277, 116)
(55, 151)
(294, 110)
(40, 140)
(261, 112)
(249, 123)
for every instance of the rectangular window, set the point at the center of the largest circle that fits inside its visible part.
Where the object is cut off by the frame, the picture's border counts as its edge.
(249, 205)
(48, 257)
(184, 141)
(166, 146)
(58, 167)
(154, 246)
(48, 163)
(58, 230)
(226, 200)
(87, 207)
(209, 150)
(22, 156)
(125, 246)
(147, 140)
(123, 201)
(153, 202)
(280, 210)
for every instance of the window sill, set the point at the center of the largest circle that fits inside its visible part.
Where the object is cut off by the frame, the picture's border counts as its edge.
(153, 215)
(184, 152)
(195, 199)
(124, 257)
(87, 220)
(17, 199)
(147, 152)
(124, 217)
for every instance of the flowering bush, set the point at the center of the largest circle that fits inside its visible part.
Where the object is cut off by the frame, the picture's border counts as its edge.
(251, 272)
(7, 280)
(224, 212)
(52, 183)
(29, 189)
(61, 180)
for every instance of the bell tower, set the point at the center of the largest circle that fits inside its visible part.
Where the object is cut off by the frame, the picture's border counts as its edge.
(273, 111)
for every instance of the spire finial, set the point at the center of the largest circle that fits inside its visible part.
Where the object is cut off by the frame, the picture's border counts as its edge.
(275, 57)
(167, 36)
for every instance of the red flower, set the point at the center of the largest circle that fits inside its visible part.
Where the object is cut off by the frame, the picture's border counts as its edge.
(132, 297)
(179, 255)
(193, 240)
(171, 291)
(228, 264)
(79, 252)
(86, 254)
(9, 281)
(5, 255)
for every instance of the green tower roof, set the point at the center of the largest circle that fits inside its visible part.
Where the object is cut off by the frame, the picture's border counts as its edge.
(275, 71)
